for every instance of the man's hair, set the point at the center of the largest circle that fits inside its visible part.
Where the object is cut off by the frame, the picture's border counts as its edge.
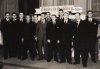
(14, 13)
(89, 11)
(77, 13)
(7, 13)
(54, 15)
(60, 9)
(66, 13)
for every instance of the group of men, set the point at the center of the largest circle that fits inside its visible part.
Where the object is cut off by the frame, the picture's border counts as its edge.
(50, 38)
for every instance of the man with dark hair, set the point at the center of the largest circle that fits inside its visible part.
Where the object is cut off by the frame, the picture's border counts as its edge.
(48, 16)
(21, 22)
(5, 29)
(92, 38)
(76, 45)
(67, 38)
(14, 35)
(41, 37)
(51, 33)
(60, 34)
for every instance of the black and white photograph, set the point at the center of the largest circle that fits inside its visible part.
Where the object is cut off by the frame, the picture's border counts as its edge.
(49, 34)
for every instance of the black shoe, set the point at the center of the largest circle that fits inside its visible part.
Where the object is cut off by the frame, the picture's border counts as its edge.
(40, 59)
(94, 61)
(5, 58)
(76, 63)
(23, 58)
(62, 61)
(56, 60)
(32, 59)
(48, 60)
(84, 65)
(70, 62)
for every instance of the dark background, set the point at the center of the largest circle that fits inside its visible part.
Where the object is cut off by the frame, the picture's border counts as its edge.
(28, 6)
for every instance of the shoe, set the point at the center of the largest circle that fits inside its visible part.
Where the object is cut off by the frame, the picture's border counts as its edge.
(48, 60)
(5, 58)
(84, 65)
(62, 61)
(23, 58)
(40, 59)
(56, 60)
(70, 62)
(94, 61)
(76, 63)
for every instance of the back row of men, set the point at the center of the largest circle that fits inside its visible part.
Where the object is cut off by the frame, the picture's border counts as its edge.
(51, 37)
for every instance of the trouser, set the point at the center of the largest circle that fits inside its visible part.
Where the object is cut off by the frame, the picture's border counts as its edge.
(42, 48)
(92, 47)
(5, 47)
(52, 50)
(84, 51)
(68, 47)
(19, 47)
(28, 44)
(76, 50)
(62, 51)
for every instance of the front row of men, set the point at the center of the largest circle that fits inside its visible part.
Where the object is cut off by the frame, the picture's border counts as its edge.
(51, 37)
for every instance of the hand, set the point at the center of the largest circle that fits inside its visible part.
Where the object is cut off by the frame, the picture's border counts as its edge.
(22, 39)
(36, 38)
(48, 41)
(58, 41)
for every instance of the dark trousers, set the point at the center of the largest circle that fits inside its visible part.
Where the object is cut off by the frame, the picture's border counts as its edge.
(92, 47)
(41, 45)
(52, 50)
(76, 50)
(19, 47)
(68, 47)
(28, 44)
(61, 48)
(84, 51)
(6, 46)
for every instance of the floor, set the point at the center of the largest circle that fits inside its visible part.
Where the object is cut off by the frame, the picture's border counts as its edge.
(14, 63)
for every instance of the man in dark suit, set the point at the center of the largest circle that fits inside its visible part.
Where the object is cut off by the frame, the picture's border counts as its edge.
(5, 29)
(28, 43)
(41, 37)
(52, 48)
(81, 40)
(14, 35)
(60, 32)
(67, 38)
(48, 16)
(76, 45)
(20, 25)
(92, 39)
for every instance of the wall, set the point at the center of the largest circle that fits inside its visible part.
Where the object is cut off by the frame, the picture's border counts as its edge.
(8, 6)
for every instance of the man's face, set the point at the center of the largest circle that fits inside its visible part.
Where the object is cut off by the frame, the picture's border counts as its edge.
(7, 15)
(53, 18)
(48, 15)
(42, 16)
(14, 16)
(21, 15)
(61, 13)
(66, 16)
(90, 14)
(77, 16)
(35, 17)
(28, 18)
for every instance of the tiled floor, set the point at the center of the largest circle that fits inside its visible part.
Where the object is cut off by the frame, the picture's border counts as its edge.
(13, 63)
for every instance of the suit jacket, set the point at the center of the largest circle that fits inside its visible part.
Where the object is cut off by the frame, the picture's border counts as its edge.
(51, 31)
(41, 30)
(5, 28)
(68, 30)
(93, 28)
(80, 32)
